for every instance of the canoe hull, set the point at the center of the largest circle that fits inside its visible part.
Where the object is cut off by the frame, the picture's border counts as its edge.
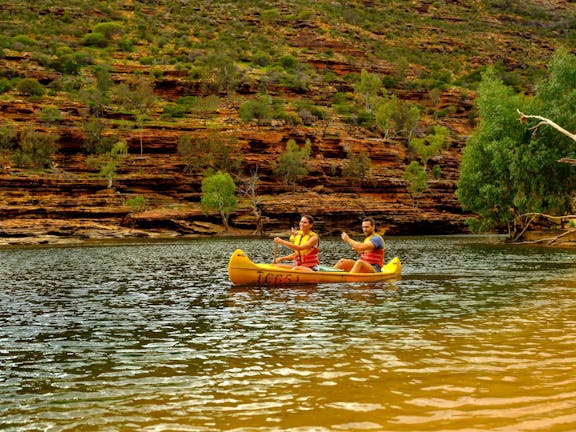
(242, 271)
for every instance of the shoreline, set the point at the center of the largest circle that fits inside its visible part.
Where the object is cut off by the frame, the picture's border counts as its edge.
(91, 234)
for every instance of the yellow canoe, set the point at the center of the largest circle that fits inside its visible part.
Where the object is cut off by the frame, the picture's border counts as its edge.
(243, 271)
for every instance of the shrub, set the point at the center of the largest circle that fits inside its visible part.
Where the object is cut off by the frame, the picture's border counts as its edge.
(7, 138)
(288, 62)
(35, 149)
(31, 87)
(126, 45)
(255, 110)
(175, 111)
(95, 40)
(356, 166)
(51, 115)
(137, 203)
(108, 29)
(22, 41)
(261, 59)
(291, 164)
(70, 63)
(147, 60)
(5, 85)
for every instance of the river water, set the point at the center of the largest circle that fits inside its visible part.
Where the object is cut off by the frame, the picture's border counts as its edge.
(476, 336)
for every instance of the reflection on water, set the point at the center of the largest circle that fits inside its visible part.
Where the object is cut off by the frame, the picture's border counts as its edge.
(476, 336)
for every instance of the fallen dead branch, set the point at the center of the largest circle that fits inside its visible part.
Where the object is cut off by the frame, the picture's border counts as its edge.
(551, 241)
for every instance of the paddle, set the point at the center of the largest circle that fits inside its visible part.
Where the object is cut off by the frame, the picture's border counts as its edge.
(275, 253)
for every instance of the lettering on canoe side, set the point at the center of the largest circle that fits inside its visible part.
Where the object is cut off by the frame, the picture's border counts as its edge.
(274, 278)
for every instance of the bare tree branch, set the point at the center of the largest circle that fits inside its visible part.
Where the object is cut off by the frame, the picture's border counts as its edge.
(547, 216)
(551, 240)
(544, 121)
(547, 122)
(568, 161)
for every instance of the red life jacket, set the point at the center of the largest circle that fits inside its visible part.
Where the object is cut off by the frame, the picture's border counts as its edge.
(308, 257)
(374, 256)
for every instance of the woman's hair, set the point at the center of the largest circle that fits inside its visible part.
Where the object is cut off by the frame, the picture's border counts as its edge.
(310, 218)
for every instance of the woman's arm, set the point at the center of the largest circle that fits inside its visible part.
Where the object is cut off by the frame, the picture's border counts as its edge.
(308, 245)
(285, 258)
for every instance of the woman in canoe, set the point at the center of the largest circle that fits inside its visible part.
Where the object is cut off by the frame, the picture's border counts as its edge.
(305, 244)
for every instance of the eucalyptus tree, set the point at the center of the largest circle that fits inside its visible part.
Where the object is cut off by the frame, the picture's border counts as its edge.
(35, 149)
(431, 145)
(384, 112)
(138, 96)
(255, 109)
(291, 164)
(490, 163)
(108, 162)
(249, 189)
(416, 180)
(368, 86)
(356, 166)
(218, 193)
(214, 151)
(506, 170)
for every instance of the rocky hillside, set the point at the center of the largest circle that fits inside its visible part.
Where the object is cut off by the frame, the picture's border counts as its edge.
(303, 58)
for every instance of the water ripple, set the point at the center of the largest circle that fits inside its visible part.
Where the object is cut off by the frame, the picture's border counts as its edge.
(152, 337)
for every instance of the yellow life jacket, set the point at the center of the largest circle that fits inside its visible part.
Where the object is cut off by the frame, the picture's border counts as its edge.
(307, 257)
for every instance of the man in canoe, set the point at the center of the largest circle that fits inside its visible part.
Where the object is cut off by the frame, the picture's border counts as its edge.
(305, 244)
(371, 251)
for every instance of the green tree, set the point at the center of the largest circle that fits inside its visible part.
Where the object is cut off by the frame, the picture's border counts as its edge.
(416, 179)
(506, 171)
(35, 149)
(51, 115)
(430, 146)
(490, 161)
(384, 114)
(108, 162)
(291, 165)
(138, 96)
(226, 73)
(356, 166)
(258, 110)
(405, 119)
(218, 194)
(249, 189)
(31, 87)
(368, 87)
(216, 151)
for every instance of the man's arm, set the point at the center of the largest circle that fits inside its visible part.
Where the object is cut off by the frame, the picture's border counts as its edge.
(358, 246)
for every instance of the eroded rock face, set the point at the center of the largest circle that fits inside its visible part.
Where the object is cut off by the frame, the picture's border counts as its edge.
(70, 201)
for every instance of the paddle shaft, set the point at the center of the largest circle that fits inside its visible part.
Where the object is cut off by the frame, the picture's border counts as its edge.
(275, 253)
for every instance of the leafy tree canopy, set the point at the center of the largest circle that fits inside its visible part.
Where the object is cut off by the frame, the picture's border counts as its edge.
(506, 171)
(218, 194)
(291, 164)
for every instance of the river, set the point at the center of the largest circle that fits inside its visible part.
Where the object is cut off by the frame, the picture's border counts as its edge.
(151, 336)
